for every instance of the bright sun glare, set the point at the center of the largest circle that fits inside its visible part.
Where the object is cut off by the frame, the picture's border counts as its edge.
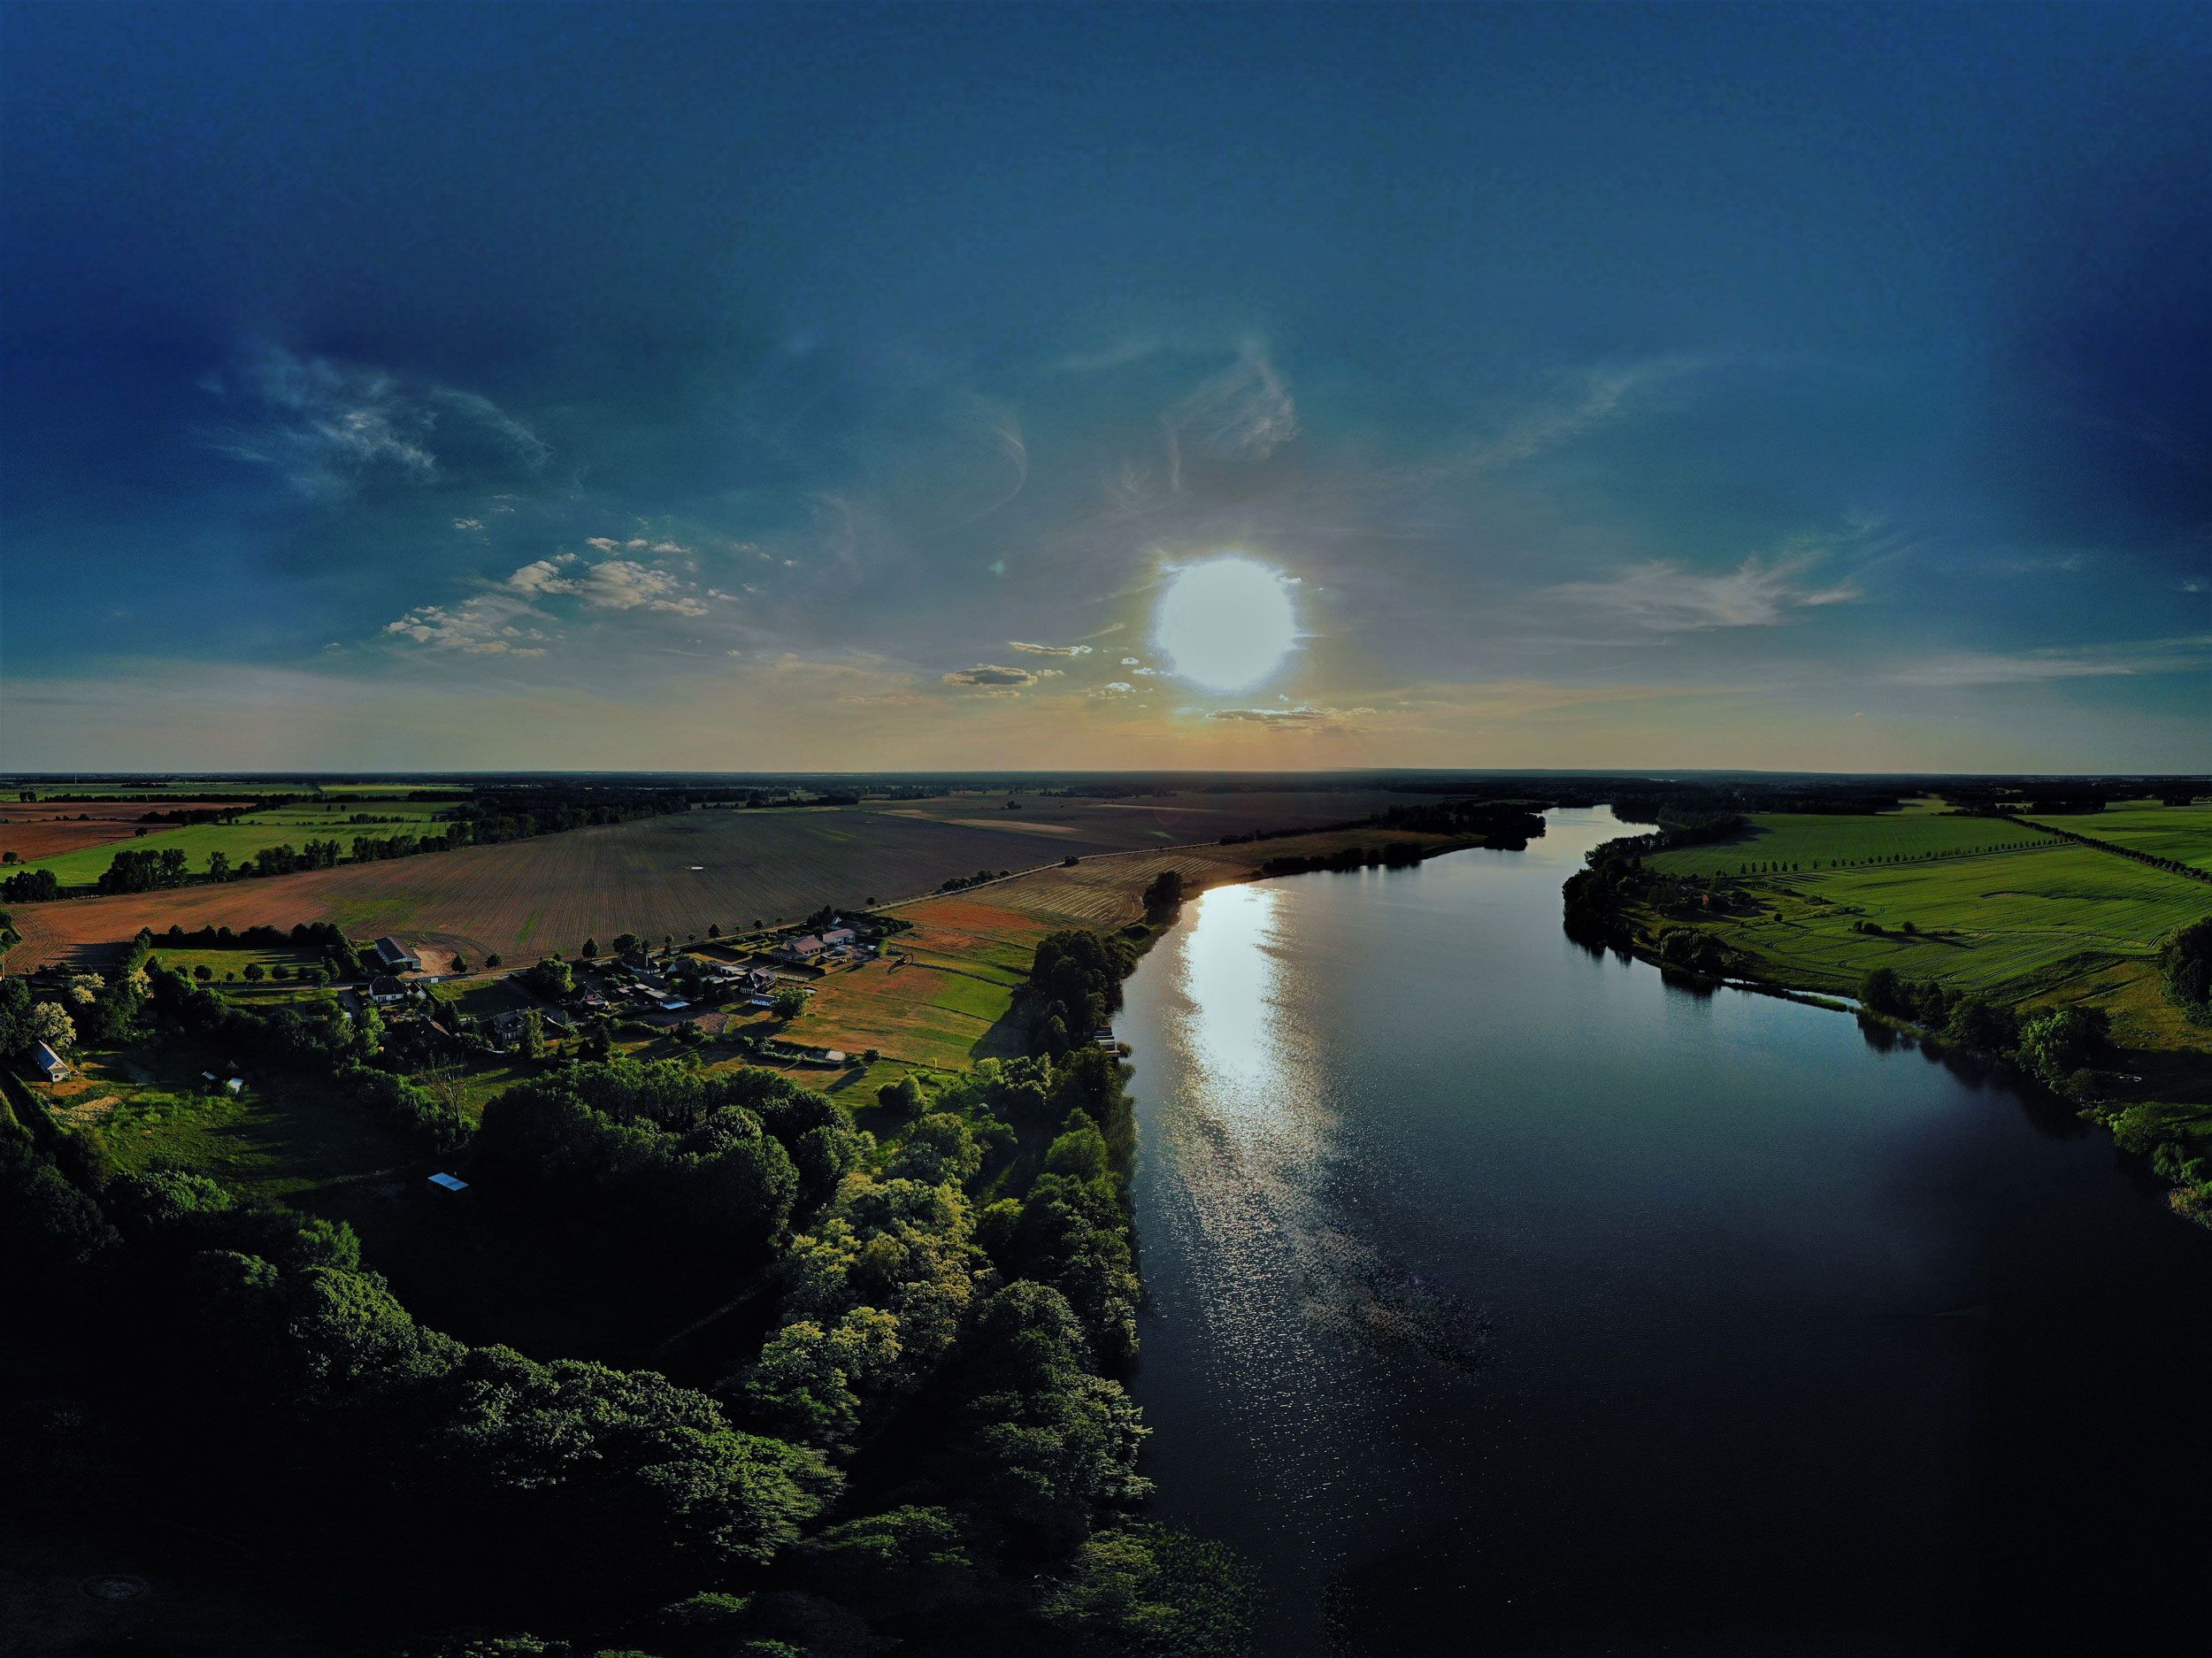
(1226, 624)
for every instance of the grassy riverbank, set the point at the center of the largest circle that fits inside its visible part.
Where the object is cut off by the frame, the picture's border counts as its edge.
(1979, 907)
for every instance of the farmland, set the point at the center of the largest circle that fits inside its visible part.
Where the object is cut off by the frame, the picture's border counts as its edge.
(2181, 833)
(673, 875)
(83, 864)
(1805, 840)
(2012, 924)
(941, 1007)
(40, 831)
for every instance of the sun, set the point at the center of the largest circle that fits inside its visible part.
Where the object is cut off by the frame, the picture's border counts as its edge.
(1225, 624)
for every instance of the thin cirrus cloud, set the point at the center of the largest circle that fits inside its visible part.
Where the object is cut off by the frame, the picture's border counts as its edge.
(329, 427)
(1966, 669)
(1245, 412)
(1048, 650)
(1662, 597)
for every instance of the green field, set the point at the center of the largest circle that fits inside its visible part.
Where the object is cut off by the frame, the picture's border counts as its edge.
(2013, 923)
(2181, 833)
(289, 825)
(217, 787)
(151, 1105)
(1807, 839)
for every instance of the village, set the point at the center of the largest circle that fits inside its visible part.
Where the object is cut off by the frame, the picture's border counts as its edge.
(691, 993)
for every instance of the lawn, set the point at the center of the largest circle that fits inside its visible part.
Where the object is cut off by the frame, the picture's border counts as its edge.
(229, 967)
(1804, 840)
(2182, 834)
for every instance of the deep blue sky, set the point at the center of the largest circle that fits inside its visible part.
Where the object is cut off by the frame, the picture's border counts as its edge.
(704, 386)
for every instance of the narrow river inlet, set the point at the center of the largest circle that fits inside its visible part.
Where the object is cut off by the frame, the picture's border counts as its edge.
(1505, 1297)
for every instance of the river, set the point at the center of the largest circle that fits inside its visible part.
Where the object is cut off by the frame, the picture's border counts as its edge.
(1506, 1297)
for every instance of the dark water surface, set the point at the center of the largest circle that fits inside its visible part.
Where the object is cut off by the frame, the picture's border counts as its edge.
(1509, 1299)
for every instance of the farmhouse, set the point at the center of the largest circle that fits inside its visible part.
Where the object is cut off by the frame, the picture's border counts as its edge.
(394, 957)
(838, 935)
(384, 988)
(48, 1062)
(803, 949)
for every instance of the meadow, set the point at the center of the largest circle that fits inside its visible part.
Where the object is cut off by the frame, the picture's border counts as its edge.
(150, 1106)
(676, 875)
(2053, 924)
(1808, 840)
(2182, 834)
(83, 864)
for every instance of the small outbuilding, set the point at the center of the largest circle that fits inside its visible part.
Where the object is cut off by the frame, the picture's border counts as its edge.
(49, 1064)
(451, 1182)
(396, 957)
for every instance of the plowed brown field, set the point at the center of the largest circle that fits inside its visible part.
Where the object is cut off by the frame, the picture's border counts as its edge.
(534, 897)
(39, 829)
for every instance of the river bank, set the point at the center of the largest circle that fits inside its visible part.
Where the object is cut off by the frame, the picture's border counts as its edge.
(1498, 1289)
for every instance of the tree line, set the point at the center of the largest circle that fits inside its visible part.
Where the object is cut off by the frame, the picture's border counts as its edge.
(926, 1446)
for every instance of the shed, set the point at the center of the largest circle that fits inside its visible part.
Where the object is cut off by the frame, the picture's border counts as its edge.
(451, 1183)
(396, 957)
(51, 1064)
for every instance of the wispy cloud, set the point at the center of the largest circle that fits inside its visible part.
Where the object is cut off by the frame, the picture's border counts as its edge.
(1584, 401)
(1964, 668)
(1662, 597)
(328, 426)
(1245, 412)
(1048, 650)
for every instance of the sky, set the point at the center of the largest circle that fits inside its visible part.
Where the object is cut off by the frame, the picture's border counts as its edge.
(672, 386)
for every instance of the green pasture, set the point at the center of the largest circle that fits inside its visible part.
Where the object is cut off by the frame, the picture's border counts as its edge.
(292, 827)
(150, 1106)
(2181, 833)
(1806, 839)
(2015, 925)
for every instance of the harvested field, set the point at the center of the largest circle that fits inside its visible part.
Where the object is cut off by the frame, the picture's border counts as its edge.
(1151, 819)
(944, 1005)
(39, 829)
(1109, 890)
(530, 898)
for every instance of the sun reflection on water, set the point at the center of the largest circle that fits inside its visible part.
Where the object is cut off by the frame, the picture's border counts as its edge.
(1231, 980)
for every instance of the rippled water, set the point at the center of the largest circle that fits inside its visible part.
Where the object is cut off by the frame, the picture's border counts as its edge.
(1506, 1298)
